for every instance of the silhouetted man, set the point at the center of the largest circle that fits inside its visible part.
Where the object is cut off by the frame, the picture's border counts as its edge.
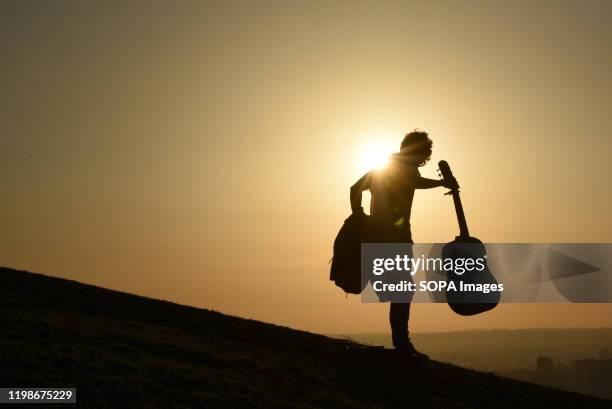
(392, 190)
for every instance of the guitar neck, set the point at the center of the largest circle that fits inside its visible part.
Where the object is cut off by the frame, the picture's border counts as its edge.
(463, 228)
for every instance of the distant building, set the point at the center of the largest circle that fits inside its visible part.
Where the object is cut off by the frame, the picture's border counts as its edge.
(545, 364)
(546, 373)
(587, 376)
(594, 377)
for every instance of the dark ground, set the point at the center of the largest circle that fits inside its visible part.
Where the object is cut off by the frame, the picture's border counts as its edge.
(125, 351)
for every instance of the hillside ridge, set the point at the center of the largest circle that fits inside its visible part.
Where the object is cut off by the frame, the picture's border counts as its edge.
(128, 351)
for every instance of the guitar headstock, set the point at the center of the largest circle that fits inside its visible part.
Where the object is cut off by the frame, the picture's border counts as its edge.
(445, 172)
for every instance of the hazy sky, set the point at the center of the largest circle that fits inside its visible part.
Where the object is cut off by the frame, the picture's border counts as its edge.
(201, 152)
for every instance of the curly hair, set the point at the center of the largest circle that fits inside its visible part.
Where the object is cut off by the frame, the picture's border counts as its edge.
(418, 145)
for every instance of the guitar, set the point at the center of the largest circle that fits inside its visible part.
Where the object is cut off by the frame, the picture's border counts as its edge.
(465, 247)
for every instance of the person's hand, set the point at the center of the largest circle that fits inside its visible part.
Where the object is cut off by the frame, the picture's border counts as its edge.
(450, 183)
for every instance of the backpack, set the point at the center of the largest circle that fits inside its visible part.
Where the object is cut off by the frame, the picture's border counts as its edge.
(346, 264)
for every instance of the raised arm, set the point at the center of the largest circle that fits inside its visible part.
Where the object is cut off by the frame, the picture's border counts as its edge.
(357, 190)
(425, 183)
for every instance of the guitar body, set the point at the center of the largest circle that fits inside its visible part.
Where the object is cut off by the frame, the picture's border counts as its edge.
(465, 295)
(469, 302)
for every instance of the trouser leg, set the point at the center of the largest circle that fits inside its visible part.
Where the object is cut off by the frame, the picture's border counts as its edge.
(399, 314)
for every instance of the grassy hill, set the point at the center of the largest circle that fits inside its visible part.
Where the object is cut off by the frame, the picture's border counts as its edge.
(125, 351)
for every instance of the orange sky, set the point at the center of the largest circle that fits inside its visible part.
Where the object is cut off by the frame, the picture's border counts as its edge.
(202, 152)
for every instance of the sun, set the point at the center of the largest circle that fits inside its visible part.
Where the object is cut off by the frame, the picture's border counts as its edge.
(374, 155)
